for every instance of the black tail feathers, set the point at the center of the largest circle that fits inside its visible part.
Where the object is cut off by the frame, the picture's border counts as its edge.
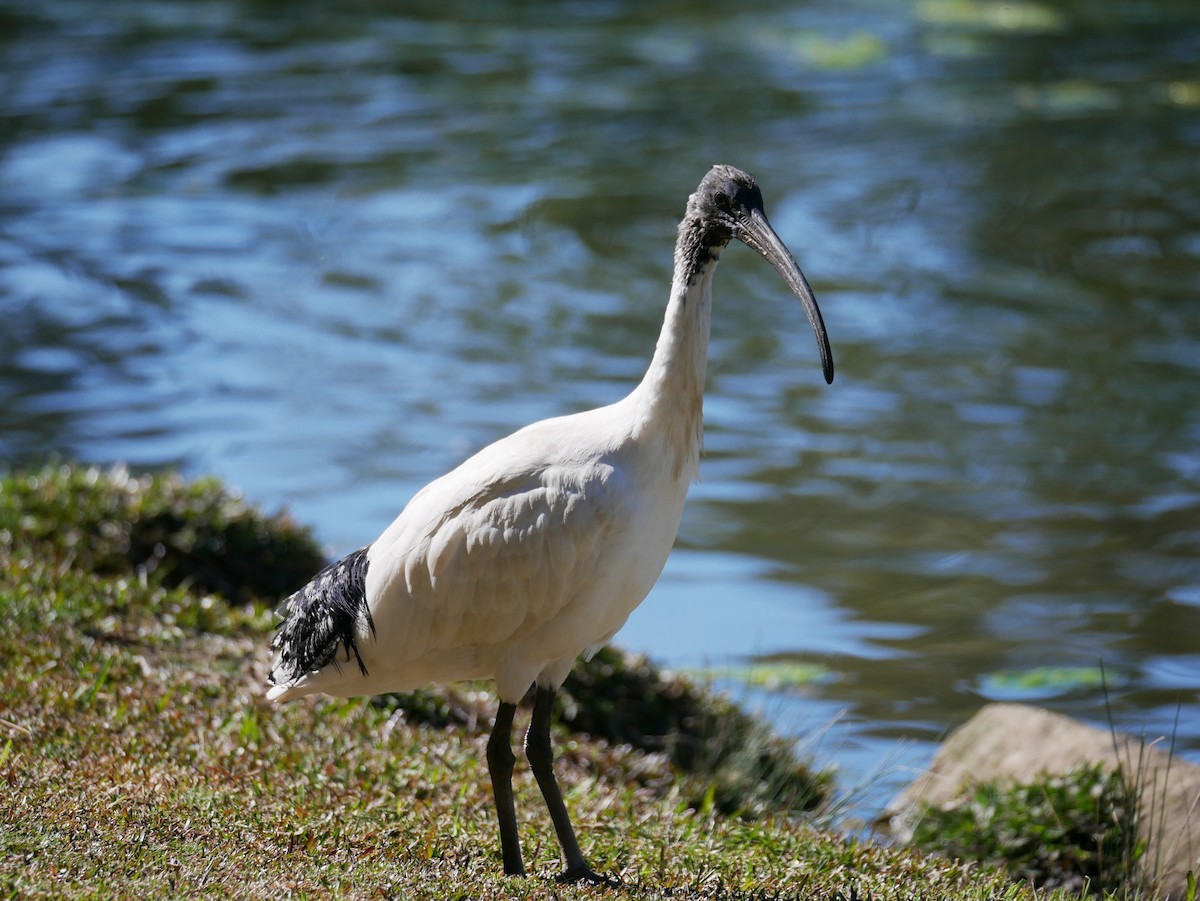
(323, 616)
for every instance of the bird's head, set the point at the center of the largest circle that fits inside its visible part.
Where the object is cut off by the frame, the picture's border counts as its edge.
(728, 205)
(725, 198)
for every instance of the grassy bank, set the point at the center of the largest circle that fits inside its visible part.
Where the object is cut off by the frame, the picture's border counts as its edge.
(138, 759)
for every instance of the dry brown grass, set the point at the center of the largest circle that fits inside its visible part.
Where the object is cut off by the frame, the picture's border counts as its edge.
(138, 759)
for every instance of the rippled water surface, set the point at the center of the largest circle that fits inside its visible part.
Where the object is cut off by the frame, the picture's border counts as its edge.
(327, 250)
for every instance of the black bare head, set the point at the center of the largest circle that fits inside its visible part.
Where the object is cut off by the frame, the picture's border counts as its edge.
(728, 205)
(725, 197)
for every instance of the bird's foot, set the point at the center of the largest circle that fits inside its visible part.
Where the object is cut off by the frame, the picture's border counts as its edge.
(585, 874)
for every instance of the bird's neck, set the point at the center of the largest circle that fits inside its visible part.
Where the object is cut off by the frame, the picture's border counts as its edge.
(670, 397)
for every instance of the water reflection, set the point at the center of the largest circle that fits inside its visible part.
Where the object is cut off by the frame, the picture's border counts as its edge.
(326, 253)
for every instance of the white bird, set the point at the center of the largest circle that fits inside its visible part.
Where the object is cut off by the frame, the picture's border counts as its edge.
(535, 551)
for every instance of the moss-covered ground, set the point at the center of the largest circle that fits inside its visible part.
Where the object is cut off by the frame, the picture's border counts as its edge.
(139, 759)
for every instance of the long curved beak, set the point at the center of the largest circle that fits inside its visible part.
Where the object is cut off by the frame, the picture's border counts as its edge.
(757, 233)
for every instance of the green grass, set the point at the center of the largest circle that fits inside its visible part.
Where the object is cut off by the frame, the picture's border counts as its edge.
(139, 759)
(161, 527)
(1077, 830)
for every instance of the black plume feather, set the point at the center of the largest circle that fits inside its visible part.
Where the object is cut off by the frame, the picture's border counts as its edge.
(322, 617)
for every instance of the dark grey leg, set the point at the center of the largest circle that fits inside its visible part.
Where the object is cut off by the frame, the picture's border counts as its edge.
(500, 760)
(541, 761)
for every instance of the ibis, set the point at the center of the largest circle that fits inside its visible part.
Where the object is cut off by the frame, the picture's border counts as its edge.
(535, 550)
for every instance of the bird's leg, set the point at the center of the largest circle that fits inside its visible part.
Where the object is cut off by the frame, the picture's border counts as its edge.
(500, 760)
(541, 761)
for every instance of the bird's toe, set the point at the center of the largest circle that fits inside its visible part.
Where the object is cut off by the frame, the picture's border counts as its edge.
(585, 874)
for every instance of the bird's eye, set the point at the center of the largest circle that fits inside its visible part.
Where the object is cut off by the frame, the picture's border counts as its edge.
(722, 200)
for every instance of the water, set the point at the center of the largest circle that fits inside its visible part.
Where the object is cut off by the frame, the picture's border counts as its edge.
(325, 253)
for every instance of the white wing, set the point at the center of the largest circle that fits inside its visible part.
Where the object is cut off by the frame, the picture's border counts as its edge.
(477, 565)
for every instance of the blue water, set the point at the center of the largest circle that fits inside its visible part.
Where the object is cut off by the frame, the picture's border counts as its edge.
(326, 253)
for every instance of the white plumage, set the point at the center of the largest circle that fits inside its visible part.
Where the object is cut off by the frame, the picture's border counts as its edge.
(535, 550)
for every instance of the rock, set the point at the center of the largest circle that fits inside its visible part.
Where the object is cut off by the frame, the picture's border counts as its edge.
(1016, 743)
